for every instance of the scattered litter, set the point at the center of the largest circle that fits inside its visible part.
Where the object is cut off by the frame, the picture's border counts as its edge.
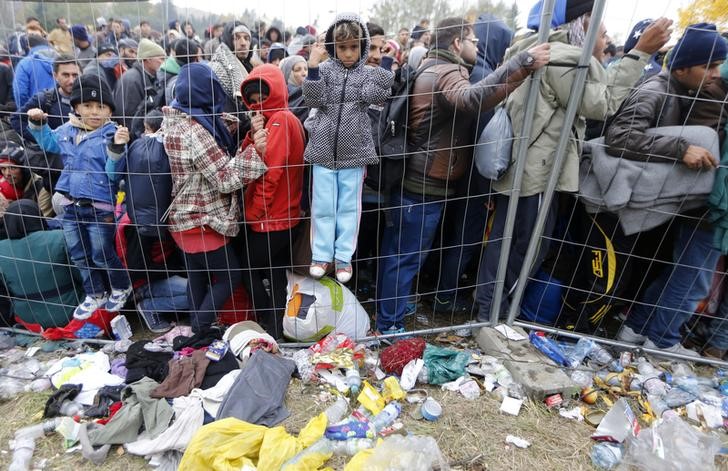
(511, 406)
(619, 423)
(431, 409)
(573, 414)
(509, 333)
(410, 373)
(517, 441)
(470, 389)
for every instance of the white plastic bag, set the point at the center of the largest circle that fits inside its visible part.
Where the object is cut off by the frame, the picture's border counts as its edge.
(410, 453)
(493, 151)
(315, 308)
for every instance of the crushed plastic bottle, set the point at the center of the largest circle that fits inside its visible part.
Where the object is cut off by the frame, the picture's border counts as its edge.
(606, 455)
(323, 446)
(602, 357)
(661, 407)
(677, 397)
(24, 443)
(580, 352)
(337, 411)
(353, 380)
(582, 378)
(302, 358)
(646, 369)
(549, 348)
(387, 417)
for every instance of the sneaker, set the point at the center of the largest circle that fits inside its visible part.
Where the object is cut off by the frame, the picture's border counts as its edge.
(677, 348)
(343, 272)
(152, 319)
(626, 334)
(317, 270)
(118, 299)
(391, 331)
(455, 305)
(88, 306)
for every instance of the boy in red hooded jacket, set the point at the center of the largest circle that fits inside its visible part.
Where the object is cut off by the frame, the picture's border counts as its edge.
(273, 201)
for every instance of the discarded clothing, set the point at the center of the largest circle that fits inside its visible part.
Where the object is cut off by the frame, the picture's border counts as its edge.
(246, 337)
(88, 369)
(217, 369)
(141, 363)
(184, 375)
(104, 398)
(258, 392)
(188, 414)
(179, 330)
(212, 397)
(199, 340)
(67, 392)
(138, 409)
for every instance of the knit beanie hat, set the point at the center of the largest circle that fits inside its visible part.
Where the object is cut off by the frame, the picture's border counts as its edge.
(91, 88)
(700, 44)
(565, 11)
(635, 34)
(576, 8)
(79, 32)
(148, 49)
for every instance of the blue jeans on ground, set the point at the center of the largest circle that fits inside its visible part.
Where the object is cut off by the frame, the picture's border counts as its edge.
(410, 230)
(335, 213)
(89, 234)
(672, 298)
(166, 295)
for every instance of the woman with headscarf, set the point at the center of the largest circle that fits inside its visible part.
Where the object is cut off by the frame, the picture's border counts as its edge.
(205, 211)
(19, 182)
(294, 70)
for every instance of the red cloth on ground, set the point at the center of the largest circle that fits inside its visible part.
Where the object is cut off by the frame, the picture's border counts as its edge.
(113, 409)
(395, 357)
(101, 318)
(199, 239)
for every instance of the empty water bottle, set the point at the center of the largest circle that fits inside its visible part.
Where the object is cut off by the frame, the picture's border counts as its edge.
(646, 369)
(603, 358)
(350, 447)
(387, 417)
(582, 378)
(353, 380)
(24, 443)
(580, 352)
(606, 455)
(677, 397)
(337, 411)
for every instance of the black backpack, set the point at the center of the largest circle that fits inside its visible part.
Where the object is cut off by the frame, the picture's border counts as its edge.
(392, 131)
(148, 185)
(154, 99)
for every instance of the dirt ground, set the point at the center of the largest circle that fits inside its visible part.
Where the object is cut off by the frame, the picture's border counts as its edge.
(471, 434)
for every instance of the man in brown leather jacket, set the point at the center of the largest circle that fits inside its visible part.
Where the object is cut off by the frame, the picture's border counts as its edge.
(442, 108)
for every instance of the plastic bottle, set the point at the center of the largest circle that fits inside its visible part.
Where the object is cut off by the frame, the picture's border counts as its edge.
(337, 411)
(24, 443)
(655, 386)
(582, 378)
(302, 358)
(646, 369)
(387, 417)
(603, 358)
(580, 352)
(724, 407)
(70, 408)
(677, 397)
(549, 348)
(606, 455)
(345, 447)
(353, 380)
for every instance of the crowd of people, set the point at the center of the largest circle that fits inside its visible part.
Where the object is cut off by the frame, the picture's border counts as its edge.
(270, 137)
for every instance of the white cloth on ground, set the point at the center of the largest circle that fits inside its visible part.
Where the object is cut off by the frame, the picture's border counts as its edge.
(212, 398)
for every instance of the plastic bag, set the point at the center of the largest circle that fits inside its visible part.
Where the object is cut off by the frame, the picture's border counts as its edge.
(410, 453)
(444, 364)
(671, 445)
(231, 444)
(315, 308)
(493, 151)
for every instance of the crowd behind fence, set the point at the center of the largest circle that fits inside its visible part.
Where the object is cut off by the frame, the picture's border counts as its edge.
(598, 243)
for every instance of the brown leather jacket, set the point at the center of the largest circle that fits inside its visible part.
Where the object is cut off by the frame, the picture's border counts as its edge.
(442, 111)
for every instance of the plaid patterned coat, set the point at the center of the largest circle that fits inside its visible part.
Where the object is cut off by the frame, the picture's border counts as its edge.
(205, 178)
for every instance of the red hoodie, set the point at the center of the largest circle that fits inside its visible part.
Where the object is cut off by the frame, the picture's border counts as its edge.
(273, 201)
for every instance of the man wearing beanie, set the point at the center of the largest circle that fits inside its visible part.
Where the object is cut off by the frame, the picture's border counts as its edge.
(670, 99)
(137, 88)
(185, 51)
(85, 51)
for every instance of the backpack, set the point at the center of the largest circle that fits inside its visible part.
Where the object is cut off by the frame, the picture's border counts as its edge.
(392, 131)
(148, 185)
(154, 99)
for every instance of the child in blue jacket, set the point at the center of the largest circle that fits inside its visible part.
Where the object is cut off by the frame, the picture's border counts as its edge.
(92, 148)
(340, 139)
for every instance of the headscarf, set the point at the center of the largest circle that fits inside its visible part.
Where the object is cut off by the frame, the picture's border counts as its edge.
(416, 55)
(199, 94)
(287, 66)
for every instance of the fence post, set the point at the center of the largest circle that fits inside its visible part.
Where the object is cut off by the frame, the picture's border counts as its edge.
(533, 90)
(573, 105)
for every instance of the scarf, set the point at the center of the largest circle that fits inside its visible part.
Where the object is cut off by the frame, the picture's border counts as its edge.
(9, 191)
(200, 95)
(446, 55)
(576, 32)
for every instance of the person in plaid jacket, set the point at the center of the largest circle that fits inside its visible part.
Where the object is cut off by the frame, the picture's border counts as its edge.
(205, 212)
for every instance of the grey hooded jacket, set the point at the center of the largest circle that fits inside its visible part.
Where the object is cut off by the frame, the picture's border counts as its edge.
(340, 132)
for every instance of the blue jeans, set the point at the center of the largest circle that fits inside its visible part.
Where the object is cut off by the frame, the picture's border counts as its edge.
(89, 234)
(673, 297)
(335, 213)
(408, 236)
(166, 295)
